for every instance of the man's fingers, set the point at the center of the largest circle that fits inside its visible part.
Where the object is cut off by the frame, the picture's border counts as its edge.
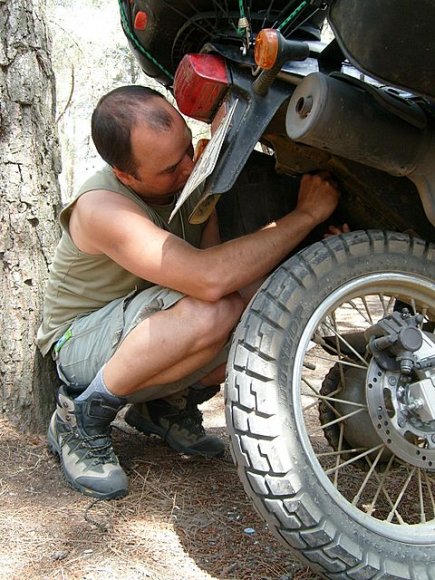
(337, 230)
(334, 231)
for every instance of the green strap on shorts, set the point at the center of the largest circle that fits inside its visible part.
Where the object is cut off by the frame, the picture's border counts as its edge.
(62, 340)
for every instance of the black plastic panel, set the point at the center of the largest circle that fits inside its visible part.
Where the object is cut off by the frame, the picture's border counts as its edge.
(391, 40)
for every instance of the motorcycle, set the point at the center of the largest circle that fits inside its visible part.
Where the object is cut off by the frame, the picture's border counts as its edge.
(330, 394)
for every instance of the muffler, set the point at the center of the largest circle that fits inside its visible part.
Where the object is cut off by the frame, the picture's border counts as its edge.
(366, 124)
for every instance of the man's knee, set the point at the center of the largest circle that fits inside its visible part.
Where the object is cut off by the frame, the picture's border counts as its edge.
(214, 320)
(230, 309)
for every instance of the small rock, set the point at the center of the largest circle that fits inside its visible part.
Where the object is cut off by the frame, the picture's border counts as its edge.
(61, 555)
(249, 531)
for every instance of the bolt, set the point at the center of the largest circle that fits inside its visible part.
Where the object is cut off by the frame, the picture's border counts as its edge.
(417, 404)
(406, 365)
(401, 421)
(392, 381)
(433, 437)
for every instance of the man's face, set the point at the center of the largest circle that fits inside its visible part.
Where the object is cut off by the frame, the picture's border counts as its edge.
(163, 158)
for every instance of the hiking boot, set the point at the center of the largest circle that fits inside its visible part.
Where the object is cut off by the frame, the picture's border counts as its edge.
(178, 421)
(79, 433)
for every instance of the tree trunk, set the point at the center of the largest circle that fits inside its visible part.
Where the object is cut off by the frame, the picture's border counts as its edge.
(29, 203)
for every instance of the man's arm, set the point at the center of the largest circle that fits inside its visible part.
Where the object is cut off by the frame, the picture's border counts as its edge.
(211, 235)
(104, 222)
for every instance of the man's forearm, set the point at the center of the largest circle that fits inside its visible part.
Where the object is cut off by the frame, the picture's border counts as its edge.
(238, 263)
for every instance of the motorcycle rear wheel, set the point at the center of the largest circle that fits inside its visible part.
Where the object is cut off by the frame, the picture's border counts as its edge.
(341, 510)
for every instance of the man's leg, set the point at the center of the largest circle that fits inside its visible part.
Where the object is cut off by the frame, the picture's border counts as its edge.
(179, 341)
(171, 344)
(164, 347)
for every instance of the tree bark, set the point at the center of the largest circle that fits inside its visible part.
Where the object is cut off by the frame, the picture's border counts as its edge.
(29, 204)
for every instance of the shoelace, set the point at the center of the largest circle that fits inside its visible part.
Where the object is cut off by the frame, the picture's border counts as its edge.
(191, 419)
(99, 453)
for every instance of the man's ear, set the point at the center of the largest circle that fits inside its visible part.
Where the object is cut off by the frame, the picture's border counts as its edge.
(124, 177)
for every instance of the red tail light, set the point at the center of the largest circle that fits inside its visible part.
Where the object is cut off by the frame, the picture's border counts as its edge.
(200, 83)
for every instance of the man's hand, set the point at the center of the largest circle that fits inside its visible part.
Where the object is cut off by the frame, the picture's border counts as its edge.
(318, 196)
(337, 230)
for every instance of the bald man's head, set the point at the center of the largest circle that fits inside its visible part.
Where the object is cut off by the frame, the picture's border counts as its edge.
(116, 115)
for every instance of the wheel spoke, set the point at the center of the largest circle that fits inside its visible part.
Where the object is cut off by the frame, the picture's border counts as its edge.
(353, 459)
(354, 454)
(333, 319)
(386, 309)
(338, 420)
(400, 496)
(343, 362)
(360, 311)
(317, 395)
(368, 476)
(420, 497)
(337, 460)
(344, 341)
(381, 488)
(367, 309)
(340, 452)
(430, 492)
(334, 400)
(344, 415)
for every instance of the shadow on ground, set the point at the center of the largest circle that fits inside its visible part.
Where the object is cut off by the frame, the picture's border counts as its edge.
(184, 518)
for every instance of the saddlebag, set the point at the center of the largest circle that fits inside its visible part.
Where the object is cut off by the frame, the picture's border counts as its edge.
(390, 40)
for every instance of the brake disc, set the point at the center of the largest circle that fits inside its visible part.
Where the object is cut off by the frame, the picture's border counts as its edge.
(400, 406)
(403, 414)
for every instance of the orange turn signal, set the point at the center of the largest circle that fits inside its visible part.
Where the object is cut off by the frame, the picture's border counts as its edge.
(266, 48)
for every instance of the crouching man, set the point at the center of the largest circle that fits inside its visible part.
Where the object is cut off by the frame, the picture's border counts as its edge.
(138, 310)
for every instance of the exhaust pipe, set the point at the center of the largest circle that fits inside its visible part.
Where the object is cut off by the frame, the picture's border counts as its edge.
(367, 125)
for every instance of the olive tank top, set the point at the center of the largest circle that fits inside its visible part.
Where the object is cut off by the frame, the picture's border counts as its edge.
(80, 283)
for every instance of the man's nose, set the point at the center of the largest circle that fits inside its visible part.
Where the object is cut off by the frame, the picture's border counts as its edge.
(187, 165)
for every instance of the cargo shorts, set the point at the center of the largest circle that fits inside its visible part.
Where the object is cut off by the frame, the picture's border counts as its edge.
(93, 338)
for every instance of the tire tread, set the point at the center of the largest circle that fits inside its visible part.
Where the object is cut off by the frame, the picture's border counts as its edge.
(268, 467)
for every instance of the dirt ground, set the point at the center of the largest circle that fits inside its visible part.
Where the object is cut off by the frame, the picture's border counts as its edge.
(184, 518)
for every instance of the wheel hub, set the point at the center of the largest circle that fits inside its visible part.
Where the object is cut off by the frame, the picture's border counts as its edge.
(398, 389)
(401, 396)
(399, 415)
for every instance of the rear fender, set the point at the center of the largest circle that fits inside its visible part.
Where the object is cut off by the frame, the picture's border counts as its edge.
(252, 115)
